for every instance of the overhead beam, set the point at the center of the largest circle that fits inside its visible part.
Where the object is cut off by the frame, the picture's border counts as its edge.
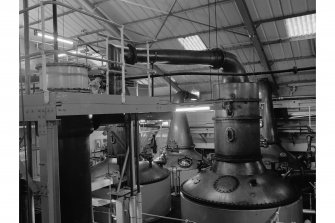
(282, 60)
(87, 33)
(58, 15)
(165, 19)
(177, 12)
(243, 9)
(231, 27)
(257, 23)
(271, 42)
(49, 18)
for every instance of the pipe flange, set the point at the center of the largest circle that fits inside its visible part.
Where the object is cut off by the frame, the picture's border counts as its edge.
(226, 184)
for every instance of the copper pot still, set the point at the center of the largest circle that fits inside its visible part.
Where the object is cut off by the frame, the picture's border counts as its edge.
(238, 188)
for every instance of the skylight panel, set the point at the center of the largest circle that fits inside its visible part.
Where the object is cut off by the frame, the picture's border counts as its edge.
(301, 25)
(192, 43)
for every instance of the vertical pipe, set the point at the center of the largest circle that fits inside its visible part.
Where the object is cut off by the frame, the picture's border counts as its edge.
(30, 172)
(309, 117)
(107, 71)
(127, 120)
(123, 95)
(55, 27)
(152, 86)
(170, 88)
(136, 89)
(148, 68)
(26, 47)
(134, 164)
(44, 79)
(137, 152)
(28, 130)
(77, 51)
(132, 141)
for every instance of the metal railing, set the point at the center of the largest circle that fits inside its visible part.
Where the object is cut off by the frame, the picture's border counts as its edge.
(43, 52)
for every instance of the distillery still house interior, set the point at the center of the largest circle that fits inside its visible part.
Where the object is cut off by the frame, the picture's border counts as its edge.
(188, 111)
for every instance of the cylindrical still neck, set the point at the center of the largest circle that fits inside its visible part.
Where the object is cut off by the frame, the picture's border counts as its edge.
(236, 123)
(268, 124)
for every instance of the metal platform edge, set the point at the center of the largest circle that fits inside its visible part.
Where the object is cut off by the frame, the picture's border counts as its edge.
(49, 105)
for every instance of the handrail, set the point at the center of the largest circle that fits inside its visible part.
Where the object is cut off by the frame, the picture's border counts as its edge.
(86, 57)
(69, 7)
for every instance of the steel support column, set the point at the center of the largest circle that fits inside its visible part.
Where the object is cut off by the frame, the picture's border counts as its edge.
(28, 148)
(49, 162)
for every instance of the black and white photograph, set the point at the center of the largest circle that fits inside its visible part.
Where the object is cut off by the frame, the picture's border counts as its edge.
(194, 111)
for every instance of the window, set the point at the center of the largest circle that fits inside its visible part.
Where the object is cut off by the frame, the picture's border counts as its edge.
(192, 43)
(301, 26)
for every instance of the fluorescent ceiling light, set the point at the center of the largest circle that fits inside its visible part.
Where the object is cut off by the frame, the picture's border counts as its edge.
(192, 43)
(301, 26)
(165, 123)
(61, 55)
(189, 109)
(47, 36)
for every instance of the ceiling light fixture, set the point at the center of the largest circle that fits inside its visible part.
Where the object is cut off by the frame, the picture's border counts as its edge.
(192, 43)
(191, 109)
(47, 36)
(301, 26)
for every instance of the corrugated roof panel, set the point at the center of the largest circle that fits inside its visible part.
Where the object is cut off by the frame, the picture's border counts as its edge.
(230, 12)
(190, 4)
(259, 9)
(269, 30)
(305, 49)
(273, 51)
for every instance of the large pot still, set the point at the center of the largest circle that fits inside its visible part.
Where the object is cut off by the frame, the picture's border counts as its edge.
(155, 189)
(181, 158)
(238, 188)
(274, 155)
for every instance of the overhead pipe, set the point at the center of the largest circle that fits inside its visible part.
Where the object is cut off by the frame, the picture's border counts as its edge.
(192, 73)
(216, 57)
(300, 97)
